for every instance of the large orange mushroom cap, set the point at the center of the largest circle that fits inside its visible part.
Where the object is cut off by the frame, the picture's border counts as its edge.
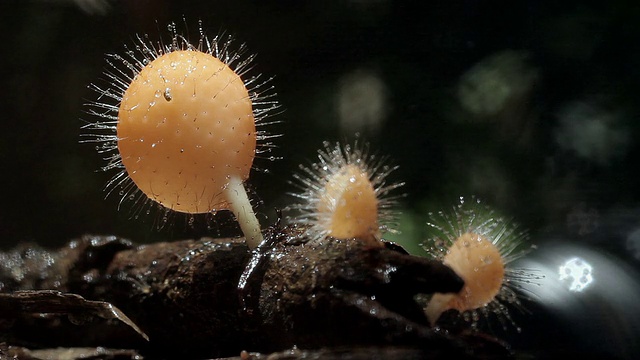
(185, 128)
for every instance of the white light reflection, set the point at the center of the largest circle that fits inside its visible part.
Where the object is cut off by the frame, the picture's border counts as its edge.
(602, 314)
(578, 272)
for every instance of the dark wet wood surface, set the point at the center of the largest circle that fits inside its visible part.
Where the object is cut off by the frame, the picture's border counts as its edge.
(329, 294)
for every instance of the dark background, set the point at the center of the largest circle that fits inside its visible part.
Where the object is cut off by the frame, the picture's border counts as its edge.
(544, 129)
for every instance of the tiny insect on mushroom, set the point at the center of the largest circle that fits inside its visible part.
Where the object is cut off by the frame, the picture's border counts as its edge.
(185, 126)
(345, 194)
(478, 245)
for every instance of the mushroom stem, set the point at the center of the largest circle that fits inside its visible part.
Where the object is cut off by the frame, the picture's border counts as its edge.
(241, 207)
(437, 305)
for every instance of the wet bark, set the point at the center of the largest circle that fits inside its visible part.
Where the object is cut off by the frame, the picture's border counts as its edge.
(185, 296)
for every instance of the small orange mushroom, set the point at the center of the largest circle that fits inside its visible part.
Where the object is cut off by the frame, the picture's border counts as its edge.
(345, 195)
(478, 245)
(351, 205)
(479, 263)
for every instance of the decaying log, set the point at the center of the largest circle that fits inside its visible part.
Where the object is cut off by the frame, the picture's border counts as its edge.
(185, 296)
(17, 304)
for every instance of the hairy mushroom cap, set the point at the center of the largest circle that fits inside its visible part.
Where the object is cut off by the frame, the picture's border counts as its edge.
(181, 122)
(478, 245)
(186, 127)
(345, 194)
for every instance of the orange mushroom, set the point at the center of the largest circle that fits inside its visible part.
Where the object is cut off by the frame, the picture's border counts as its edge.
(478, 245)
(185, 125)
(345, 195)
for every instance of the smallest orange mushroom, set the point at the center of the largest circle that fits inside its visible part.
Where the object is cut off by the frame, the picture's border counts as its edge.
(478, 245)
(479, 263)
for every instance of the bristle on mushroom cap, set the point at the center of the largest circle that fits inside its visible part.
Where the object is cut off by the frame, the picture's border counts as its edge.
(345, 194)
